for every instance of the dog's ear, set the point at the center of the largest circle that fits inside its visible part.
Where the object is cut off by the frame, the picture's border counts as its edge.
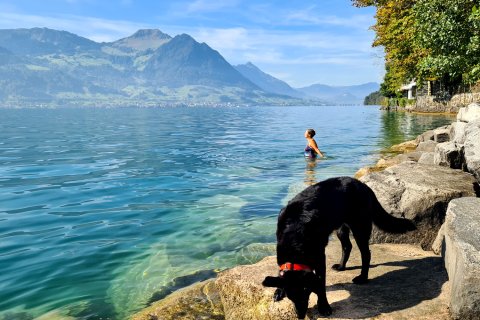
(275, 282)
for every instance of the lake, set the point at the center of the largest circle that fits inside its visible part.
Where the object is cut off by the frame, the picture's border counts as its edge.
(104, 210)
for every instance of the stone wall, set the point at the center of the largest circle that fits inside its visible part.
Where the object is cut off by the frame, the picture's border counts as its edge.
(433, 104)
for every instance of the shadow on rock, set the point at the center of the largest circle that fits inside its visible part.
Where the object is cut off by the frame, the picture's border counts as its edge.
(415, 281)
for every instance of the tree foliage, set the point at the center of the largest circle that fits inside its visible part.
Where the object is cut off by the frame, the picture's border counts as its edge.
(427, 40)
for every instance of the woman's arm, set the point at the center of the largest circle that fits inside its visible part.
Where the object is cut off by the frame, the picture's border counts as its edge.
(315, 147)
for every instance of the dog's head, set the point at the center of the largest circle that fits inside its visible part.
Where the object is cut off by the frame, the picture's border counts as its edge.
(297, 286)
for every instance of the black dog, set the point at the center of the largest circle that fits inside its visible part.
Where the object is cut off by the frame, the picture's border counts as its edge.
(304, 225)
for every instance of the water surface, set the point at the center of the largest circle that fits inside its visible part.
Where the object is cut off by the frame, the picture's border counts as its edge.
(102, 209)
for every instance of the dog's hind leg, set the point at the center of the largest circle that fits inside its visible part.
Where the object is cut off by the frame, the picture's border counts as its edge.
(362, 239)
(343, 233)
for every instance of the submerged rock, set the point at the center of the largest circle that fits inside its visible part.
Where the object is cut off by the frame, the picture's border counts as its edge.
(420, 193)
(199, 301)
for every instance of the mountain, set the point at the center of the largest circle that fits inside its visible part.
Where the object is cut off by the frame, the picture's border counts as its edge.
(266, 82)
(48, 67)
(341, 94)
(183, 61)
(144, 39)
(40, 41)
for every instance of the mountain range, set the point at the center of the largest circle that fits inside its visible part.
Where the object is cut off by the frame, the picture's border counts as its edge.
(45, 67)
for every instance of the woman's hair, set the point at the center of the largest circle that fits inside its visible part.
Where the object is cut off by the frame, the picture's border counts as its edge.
(311, 132)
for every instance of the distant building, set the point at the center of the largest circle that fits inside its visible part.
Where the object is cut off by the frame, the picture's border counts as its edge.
(409, 91)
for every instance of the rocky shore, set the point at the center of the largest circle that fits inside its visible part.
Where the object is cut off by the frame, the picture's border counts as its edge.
(430, 273)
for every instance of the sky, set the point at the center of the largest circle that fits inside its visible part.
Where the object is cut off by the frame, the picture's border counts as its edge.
(302, 42)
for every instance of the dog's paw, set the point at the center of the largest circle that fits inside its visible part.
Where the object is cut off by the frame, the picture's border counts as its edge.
(278, 295)
(360, 280)
(324, 310)
(338, 267)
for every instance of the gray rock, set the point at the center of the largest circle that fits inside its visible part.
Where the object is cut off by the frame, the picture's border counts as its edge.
(462, 256)
(427, 146)
(441, 135)
(427, 158)
(449, 154)
(437, 246)
(418, 192)
(457, 132)
(472, 148)
(426, 136)
(470, 113)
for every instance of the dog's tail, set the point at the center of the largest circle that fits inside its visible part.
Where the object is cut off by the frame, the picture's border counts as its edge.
(389, 223)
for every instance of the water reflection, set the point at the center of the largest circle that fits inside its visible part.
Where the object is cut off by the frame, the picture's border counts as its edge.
(401, 126)
(310, 174)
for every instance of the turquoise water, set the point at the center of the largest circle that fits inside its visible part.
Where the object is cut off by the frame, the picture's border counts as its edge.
(103, 209)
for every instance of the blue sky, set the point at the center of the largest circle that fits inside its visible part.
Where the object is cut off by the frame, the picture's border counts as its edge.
(301, 42)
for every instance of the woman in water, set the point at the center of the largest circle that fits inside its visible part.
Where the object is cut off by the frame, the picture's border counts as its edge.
(311, 150)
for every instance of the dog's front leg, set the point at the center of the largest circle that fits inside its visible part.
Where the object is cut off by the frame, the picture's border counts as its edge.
(322, 303)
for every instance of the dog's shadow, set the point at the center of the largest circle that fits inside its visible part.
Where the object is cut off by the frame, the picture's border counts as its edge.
(418, 280)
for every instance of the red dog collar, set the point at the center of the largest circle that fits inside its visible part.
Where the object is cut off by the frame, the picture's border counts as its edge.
(295, 267)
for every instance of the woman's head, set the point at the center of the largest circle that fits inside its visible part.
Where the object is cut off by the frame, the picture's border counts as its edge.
(310, 133)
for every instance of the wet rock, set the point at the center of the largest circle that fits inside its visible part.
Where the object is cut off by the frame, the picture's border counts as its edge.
(462, 256)
(418, 192)
(199, 301)
(403, 147)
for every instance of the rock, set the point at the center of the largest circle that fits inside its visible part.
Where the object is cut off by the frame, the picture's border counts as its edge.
(462, 257)
(441, 135)
(403, 147)
(427, 146)
(405, 283)
(457, 132)
(472, 148)
(448, 154)
(198, 301)
(418, 192)
(470, 113)
(427, 158)
(426, 136)
(437, 246)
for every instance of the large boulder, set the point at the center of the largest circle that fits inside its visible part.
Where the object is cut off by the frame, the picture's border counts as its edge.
(470, 113)
(457, 132)
(392, 293)
(449, 154)
(420, 193)
(461, 247)
(472, 148)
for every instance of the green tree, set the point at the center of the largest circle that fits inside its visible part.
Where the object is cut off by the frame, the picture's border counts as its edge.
(395, 32)
(448, 30)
